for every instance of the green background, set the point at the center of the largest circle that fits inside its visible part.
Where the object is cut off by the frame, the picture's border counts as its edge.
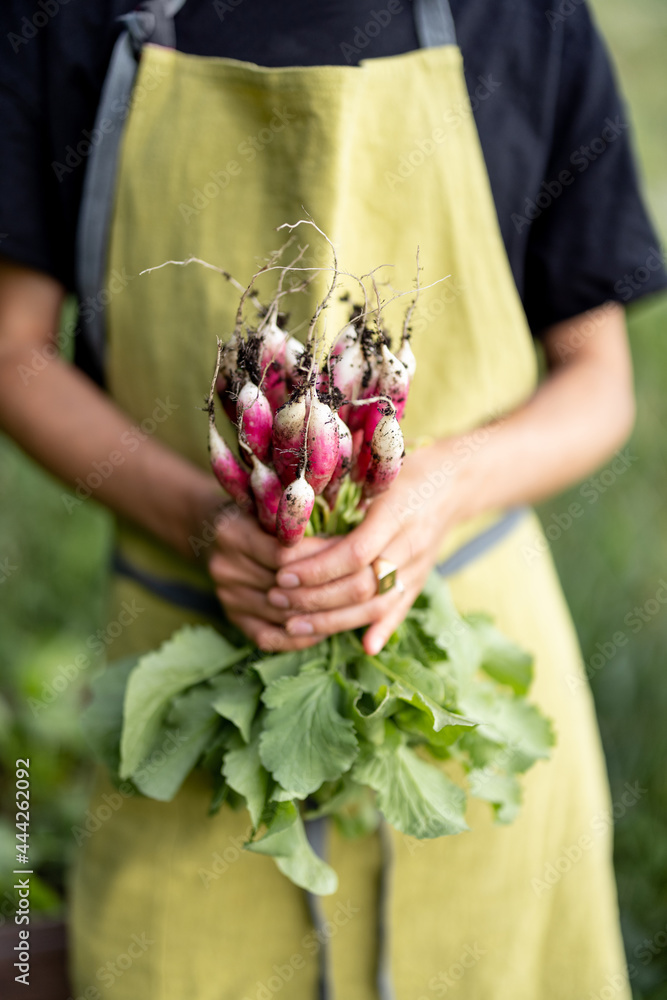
(612, 560)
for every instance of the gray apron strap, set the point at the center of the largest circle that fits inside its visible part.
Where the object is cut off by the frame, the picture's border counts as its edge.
(317, 832)
(152, 21)
(434, 23)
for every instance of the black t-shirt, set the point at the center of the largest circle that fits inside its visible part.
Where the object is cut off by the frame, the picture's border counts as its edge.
(554, 132)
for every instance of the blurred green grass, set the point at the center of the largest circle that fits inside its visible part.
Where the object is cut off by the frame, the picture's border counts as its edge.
(611, 560)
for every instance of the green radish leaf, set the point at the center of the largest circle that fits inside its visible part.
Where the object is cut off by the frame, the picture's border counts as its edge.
(413, 674)
(306, 740)
(244, 773)
(414, 796)
(236, 697)
(102, 719)
(421, 687)
(189, 727)
(270, 668)
(280, 795)
(369, 677)
(526, 733)
(501, 790)
(452, 632)
(418, 723)
(502, 659)
(285, 840)
(192, 655)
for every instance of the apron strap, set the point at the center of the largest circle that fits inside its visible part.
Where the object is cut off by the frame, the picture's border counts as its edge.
(434, 23)
(152, 21)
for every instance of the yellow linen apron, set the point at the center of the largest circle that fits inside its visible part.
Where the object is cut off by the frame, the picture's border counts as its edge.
(385, 157)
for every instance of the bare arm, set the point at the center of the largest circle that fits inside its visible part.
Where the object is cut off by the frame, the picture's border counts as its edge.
(577, 418)
(65, 422)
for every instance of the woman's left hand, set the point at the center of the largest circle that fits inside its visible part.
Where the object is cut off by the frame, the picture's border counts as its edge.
(337, 589)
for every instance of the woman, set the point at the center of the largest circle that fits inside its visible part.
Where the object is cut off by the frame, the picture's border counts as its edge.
(362, 116)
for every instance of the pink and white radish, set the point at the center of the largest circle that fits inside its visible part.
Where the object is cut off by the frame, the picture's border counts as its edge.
(255, 419)
(228, 470)
(321, 443)
(294, 510)
(293, 352)
(347, 373)
(386, 457)
(406, 356)
(288, 435)
(272, 364)
(227, 376)
(343, 464)
(267, 490)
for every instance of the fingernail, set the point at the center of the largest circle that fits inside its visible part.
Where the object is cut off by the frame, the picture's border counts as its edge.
(288, 580)
(296, 627)
(374, 646)
(278, 600)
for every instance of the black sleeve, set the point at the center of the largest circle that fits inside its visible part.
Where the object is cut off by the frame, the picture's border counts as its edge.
(52, 66)
(27, 195)
(590, 239)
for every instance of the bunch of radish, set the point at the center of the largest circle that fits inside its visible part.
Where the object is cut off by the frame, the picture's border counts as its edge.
(308, 420)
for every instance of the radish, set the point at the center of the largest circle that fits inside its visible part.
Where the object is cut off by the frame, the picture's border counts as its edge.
(227, 376)
(272, 365)
(342, 465)
(393, 380)
(266, 488)
(346, 338)
(347, 372)
(321, 443)
(294, 510)
(289, 431)
(228, 471)
(406, 356)
(386, 457)
(293, 352)
(255, 418)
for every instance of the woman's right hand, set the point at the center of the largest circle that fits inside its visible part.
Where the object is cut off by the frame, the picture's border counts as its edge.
(243, 566)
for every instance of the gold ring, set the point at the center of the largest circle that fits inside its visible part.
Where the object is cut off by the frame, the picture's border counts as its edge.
(385, 574)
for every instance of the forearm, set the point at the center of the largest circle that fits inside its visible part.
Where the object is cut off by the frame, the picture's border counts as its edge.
(74, 431)
(69, 426)
(577, 418)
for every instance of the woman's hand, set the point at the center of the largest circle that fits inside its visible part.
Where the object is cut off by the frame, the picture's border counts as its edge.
(243, 567)
(337, 589)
